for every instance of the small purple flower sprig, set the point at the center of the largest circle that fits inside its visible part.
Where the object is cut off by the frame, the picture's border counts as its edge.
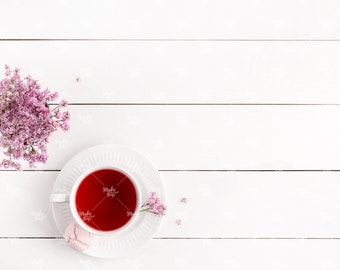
(154, 205)
(27, 119)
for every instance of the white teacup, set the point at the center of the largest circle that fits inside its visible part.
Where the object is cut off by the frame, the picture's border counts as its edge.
(110, 195)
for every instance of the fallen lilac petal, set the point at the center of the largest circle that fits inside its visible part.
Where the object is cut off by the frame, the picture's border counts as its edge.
(178, 222)
(184, 200)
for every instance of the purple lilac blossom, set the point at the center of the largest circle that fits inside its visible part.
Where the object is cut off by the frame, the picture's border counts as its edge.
(154, 205)
(27, 119)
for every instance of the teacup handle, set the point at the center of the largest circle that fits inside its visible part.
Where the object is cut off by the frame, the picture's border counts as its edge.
(59, 198)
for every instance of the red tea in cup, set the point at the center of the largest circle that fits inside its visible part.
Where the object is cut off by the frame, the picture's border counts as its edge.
(106, 200)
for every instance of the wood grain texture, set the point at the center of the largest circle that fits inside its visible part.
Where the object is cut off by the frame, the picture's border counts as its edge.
(179, 254)
(246, 19)
(182, 72)
(218, 53)
(208, 137)
(220, 205)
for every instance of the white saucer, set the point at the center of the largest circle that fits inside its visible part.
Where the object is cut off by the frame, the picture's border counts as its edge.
(123, 243)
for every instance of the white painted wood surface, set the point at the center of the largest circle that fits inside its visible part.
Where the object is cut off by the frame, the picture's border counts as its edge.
(180, 254)
(201, 137)
(182, 71)
(245, 19)
(141, 85)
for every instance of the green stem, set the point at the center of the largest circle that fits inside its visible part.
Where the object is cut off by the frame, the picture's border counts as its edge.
(55, 107)
(147, 210)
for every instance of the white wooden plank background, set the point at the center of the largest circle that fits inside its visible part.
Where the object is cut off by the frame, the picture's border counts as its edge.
(236, 102)
(201, 137)
(181, 254)
(245, 19)
(182, 71)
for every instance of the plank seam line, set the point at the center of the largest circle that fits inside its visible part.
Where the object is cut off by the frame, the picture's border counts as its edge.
(194, 170)
(194, 104)
(173, 39)
(185, 238)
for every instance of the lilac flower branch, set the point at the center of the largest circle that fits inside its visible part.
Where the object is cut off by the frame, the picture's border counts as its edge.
(153, 205)
(27, 120)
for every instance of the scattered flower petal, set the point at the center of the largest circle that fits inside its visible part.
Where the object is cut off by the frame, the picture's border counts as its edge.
(178, 222)
(184, 200)
(63, 103)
